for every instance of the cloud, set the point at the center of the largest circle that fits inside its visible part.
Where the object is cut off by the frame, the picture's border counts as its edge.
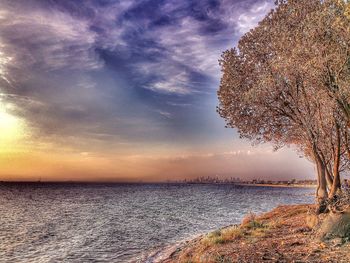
(127, 85)
(48, 40)
(190, 39)
(98, 71)
(165, 114)
(175, 40)
(251, 17)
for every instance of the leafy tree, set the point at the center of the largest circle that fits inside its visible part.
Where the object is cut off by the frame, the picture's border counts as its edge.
(287, 83)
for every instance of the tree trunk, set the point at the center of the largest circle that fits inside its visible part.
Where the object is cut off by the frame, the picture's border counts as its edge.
(346, 141)
(336, 181)
(321, 192)
(329, 179)
(336, 187)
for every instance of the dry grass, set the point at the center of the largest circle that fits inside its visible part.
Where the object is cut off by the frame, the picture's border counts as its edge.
(256, 238)
(248, 218)
(224, 235)
(276, 223)
(251, 231)
(232, 233)
(281, 235)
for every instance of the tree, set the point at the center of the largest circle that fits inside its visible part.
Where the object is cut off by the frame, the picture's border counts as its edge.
(287, 83)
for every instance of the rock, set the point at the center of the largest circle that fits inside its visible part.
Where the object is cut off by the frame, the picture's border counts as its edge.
(337, 242)
(312, 220)
(335, 225)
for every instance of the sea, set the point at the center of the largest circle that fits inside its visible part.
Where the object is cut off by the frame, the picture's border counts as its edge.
(52, 222)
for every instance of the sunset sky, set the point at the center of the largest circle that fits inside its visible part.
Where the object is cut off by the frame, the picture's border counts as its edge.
(108, 90)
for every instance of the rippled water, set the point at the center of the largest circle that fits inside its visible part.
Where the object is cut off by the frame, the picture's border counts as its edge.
(117, 223)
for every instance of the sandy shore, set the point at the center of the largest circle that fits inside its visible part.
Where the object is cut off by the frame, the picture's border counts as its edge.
(280, 235)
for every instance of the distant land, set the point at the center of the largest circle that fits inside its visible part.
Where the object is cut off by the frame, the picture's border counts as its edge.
(254, 182)
(198, 180)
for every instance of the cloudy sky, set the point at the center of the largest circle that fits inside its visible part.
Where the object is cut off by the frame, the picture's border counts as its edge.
(124, 90)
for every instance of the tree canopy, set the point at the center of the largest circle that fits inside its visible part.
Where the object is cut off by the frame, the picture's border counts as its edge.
(288, 83)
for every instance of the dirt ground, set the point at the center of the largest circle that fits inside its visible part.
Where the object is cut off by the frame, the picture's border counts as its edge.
(281, 235)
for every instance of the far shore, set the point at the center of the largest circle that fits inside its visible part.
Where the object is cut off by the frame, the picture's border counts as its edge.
(136, 183)
(279, 185)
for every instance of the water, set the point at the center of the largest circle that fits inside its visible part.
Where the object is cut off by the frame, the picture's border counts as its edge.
(117, 223)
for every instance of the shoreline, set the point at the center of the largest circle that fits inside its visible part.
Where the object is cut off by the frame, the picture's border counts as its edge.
(280, 235)
(108, 183)
(165, 253)
(280, 185)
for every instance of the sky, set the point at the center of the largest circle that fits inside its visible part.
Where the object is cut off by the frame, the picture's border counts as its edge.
(108, 90)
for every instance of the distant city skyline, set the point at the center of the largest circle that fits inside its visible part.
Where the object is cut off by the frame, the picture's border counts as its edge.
(124, 91)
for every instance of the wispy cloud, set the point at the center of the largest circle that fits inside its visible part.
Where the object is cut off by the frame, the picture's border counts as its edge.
(142, 71)
(96, 80)
(49, 40)
(251, 17)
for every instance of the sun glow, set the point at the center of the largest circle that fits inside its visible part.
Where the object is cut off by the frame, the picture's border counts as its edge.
(11, 129)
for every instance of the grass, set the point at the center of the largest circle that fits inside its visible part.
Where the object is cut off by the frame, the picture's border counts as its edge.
(251, 227)
(215, 246)
(223, 236)
(254, 224)
(213, 238)
(232, 233)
